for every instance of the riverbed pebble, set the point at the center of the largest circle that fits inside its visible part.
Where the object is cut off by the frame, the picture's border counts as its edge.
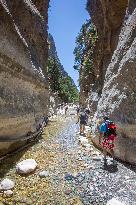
(44, 174)
(8, 193)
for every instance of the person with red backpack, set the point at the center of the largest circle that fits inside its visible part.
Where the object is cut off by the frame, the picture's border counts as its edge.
(107, 138)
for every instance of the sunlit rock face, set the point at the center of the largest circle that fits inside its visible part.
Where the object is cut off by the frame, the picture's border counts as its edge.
(108, 18)
(117, 91)
(23, 55)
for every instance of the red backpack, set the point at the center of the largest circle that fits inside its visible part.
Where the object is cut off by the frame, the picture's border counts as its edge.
(111, 129)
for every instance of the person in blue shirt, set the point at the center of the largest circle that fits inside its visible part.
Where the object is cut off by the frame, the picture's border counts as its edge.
(106, 140)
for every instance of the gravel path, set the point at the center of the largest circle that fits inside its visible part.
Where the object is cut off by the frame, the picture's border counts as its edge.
(91, 182)
(76, 174)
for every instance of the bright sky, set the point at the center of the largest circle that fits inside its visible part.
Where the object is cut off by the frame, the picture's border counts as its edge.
(65, 21)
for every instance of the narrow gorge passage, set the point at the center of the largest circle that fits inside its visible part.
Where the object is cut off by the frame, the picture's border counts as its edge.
(59, 60)
(75, 173)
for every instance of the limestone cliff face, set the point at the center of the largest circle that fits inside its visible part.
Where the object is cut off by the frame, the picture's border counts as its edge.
(107, 17)
(23, 55)
(116, 66)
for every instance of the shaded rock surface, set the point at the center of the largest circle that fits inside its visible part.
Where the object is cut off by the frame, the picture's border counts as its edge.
(23, 79)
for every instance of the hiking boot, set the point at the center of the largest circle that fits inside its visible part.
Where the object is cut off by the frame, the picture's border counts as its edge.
(105, 162)
(114, 162)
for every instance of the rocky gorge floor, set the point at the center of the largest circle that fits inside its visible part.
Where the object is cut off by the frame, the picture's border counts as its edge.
(74, 172)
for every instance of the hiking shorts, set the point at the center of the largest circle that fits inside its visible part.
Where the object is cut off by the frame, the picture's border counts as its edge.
(108, 143)
(83, 123)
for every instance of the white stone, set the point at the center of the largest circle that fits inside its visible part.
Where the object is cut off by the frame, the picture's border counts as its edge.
(83, 139)
(26, 166)
(127, 177)
(7, 184)
(91, 188)
(8, 193)
(74, 174)
(97, 158)
(87, 149)
(87, 128)
(91, 167)
(87, 145)
(44, 174)
(115, 201)
(97, 153)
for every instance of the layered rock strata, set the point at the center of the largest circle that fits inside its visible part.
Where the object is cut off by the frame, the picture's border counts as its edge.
(23, 79)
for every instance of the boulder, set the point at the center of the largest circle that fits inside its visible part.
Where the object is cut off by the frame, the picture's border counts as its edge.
(26, 166)
(7, 184)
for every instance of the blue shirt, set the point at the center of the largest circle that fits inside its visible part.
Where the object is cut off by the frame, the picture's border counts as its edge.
(103, 127)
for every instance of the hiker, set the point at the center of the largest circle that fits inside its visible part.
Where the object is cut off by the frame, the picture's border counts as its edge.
(83, 119)
(107, 138)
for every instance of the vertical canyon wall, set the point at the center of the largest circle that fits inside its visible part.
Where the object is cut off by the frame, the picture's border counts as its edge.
(115, 65)
(23, 76)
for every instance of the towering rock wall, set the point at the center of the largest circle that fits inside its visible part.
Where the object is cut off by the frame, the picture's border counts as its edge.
(23, 57)
(115, 61)
(107, 16)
